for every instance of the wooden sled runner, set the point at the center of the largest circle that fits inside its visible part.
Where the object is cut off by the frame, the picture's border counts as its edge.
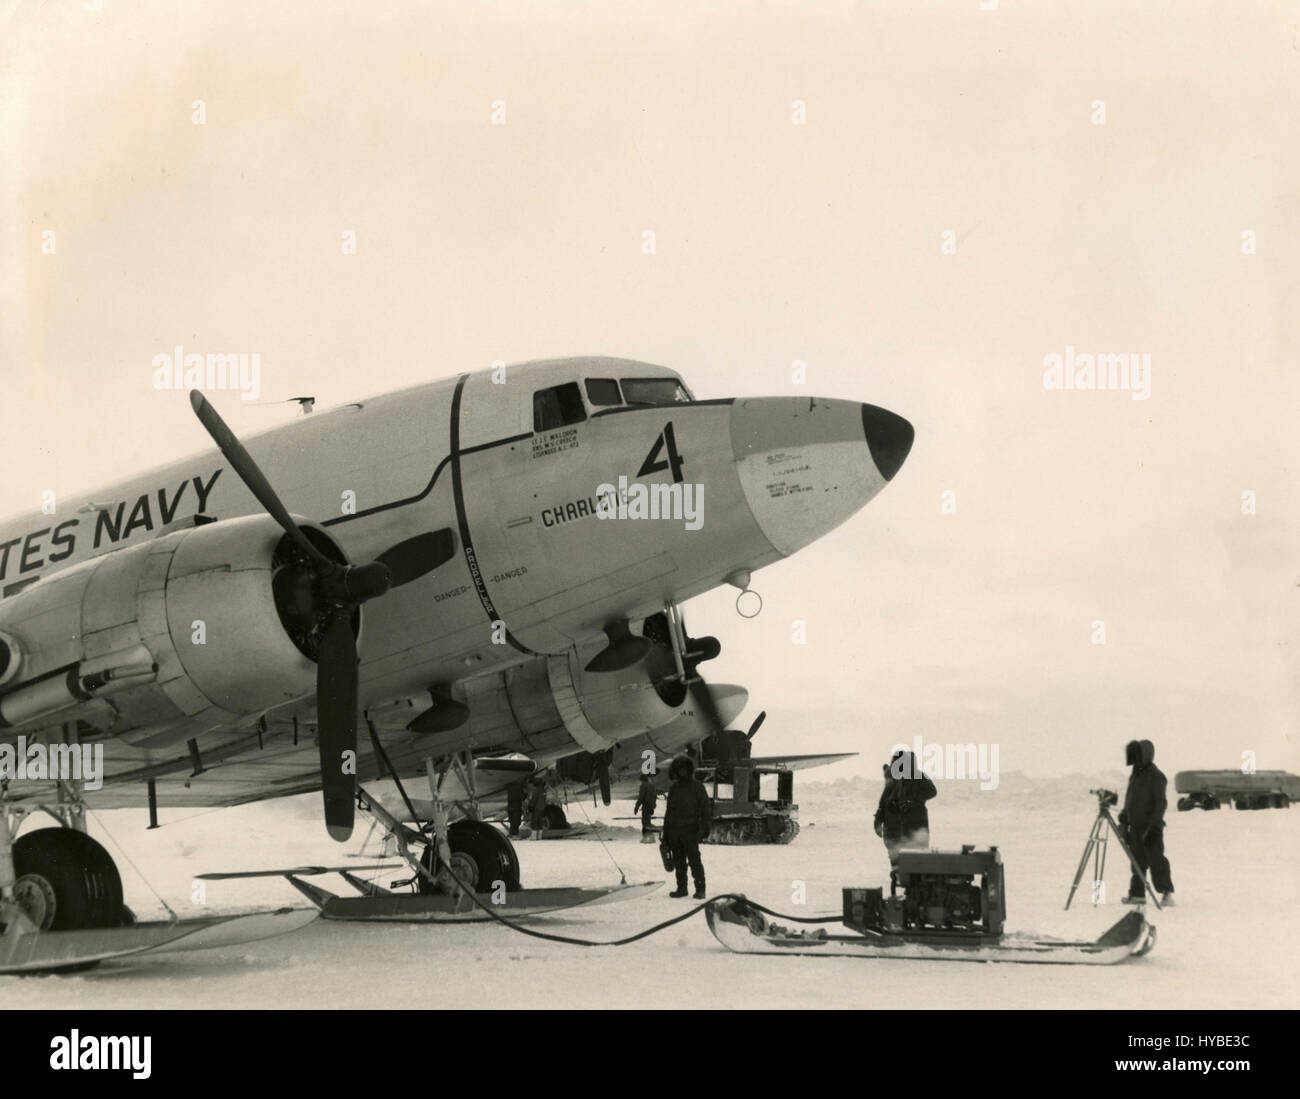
(375, 903)
(744, 930)
(52, 950)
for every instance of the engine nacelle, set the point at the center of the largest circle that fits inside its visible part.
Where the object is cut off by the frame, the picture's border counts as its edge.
(164, 640)
(553, 707)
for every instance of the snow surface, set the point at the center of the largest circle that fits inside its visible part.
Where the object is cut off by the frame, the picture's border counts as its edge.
(1227, 944)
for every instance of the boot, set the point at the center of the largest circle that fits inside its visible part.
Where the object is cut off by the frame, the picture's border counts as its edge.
(1135, 899)
(699, 890)
(680, 891)
(647, 837)
(1167, 899)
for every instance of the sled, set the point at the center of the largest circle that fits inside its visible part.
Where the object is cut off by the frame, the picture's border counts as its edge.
(742, 929)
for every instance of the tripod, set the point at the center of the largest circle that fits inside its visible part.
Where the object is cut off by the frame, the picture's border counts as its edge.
(1096, 847)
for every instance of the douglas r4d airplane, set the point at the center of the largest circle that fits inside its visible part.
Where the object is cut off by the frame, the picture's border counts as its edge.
(465, 570)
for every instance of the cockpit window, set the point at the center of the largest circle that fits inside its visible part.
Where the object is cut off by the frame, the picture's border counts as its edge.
(603, 391)
(654, 391)
(558, 406)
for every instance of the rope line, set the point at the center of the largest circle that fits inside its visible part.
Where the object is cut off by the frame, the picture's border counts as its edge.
(427, 874)
(139, 873)
(622, 876)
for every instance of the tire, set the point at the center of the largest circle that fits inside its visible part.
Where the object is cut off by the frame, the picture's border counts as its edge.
(479, 849)
(71, 879)
(105, 883)
(555, 817)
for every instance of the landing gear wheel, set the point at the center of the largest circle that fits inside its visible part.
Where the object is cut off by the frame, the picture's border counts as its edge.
(103, 881)
(481, 856)
(34, 894)
(555, 817)
(67, 881)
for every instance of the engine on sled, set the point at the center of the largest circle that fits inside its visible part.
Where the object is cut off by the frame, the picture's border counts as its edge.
(935, 896)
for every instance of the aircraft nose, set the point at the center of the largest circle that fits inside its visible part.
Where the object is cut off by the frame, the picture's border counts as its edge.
(889, 438)
(807, 464)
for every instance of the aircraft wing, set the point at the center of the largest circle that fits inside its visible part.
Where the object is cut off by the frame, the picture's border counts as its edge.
(217, 770)
(796, 763)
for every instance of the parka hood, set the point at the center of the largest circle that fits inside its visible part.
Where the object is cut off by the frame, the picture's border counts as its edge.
(681, 767)
(1139, 753)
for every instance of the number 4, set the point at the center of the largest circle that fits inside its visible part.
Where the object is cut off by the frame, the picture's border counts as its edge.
(653, 464)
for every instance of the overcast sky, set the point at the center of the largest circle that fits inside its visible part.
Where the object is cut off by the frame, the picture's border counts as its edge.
(821, 241)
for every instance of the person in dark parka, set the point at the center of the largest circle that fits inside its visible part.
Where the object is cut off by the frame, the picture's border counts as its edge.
(1142, 821)
(646, 798)
(901, 817)
(515, 793)
(687, 818)
(537, 807)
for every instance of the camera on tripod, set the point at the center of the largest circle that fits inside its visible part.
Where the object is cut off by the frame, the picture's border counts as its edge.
(1095, 848)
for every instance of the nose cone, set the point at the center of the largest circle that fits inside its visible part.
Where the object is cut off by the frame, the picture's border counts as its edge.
(691, 725)
(889, 438)
(730, 700)
(806, 465)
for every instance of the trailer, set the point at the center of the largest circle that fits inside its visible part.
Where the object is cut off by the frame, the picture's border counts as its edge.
(1240, 789)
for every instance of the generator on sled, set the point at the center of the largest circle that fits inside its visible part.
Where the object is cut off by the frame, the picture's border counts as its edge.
(935, 896)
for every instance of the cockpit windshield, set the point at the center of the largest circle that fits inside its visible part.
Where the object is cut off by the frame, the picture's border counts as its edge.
(654, 391)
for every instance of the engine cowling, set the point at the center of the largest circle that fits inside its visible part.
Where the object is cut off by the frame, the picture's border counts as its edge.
(553, 707)
(158, 642)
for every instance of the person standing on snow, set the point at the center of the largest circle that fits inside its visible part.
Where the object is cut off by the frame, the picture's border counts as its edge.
(901, 817)
(515, 793)
(537, 807)
(646, 798)
(1142, 820)
(687, 818)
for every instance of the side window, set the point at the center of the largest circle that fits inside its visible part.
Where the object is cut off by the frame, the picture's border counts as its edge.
(603, 391)
(558, 406)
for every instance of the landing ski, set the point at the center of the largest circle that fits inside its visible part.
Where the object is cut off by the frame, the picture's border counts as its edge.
(438, 908)
(742, 929)
(54, 950)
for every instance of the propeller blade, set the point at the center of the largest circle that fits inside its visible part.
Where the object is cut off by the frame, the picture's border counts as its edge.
(602, 775)
(703, 648)
(415, 557)
(707, 705)
(362, 583)
(248, 472)
(762, 717)
(336, 716)
(624, 649)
